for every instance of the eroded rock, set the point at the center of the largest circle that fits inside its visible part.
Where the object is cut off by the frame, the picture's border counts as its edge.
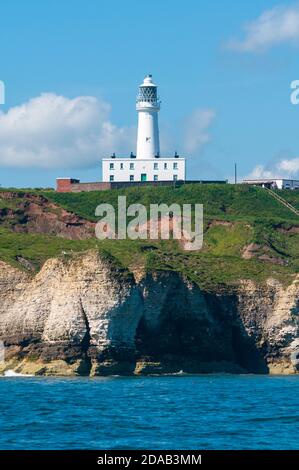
(88, 316)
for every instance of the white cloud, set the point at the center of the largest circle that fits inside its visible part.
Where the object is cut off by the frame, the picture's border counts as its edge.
(286, 168)
(197, 128)
(276, 26)
(52, 131)
(289, 166)
(262, 171)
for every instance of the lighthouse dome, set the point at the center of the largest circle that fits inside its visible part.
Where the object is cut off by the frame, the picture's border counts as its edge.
(148, 81)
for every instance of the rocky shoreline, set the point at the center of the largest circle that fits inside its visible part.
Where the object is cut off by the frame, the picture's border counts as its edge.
(87, 316)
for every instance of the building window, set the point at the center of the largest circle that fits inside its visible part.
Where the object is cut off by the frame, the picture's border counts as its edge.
(111, 166)
(131, 177)
(155, 177)
(175, 166)
(175, 177)
(121, 166)
(165, 166)
(156, 166)
(111, 177)
(131, 166)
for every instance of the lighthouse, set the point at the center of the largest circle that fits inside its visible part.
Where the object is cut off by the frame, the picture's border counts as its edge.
(146, 164)
(148, 106)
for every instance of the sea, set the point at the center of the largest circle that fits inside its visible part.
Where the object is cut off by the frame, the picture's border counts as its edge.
(167, 412)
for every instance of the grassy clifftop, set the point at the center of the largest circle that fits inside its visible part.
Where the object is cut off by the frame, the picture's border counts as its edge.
(227, 202)
(248, 234)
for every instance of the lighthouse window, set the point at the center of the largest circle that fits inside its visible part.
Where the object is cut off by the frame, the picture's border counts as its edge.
(165, 166)
(155, 177)
(148, 94)
(175, 166)
(131, 177)
(155, 166)
(111, 177)
(131, 166)
(111, 166)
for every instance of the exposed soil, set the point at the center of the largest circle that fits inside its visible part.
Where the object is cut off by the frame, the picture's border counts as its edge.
(35, 214)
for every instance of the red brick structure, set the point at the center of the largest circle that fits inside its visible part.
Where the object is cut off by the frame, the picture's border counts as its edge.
(64, 185)
(72, 185)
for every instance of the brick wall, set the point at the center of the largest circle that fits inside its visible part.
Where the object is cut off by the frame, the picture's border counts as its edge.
(77, 188)
(64, 185)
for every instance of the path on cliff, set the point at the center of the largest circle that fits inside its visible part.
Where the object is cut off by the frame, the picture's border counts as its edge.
(282, 201)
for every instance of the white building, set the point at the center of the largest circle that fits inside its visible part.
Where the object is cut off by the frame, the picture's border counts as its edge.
(274, 183)
(147, 165)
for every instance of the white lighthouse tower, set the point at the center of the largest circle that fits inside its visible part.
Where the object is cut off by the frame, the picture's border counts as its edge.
(147, 165)
(148, 106)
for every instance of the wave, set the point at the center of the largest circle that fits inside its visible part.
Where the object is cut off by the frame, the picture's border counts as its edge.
(12, 373)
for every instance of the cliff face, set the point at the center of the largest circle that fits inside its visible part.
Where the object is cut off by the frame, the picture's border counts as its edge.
(87, 316)
(270, 316)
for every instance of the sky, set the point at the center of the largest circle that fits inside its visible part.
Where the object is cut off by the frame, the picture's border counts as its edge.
(71, 70)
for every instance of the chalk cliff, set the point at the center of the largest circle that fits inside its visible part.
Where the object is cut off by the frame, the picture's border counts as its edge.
(84, 315)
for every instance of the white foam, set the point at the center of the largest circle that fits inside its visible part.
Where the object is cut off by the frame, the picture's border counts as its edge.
(12, 373)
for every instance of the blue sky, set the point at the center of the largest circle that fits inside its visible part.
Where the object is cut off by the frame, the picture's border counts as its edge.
(228, 85)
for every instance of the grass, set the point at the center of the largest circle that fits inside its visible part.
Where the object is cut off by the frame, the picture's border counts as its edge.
(37, 248)
(210, 271)
(235, 216)
(227, 202)
(228, 240)
(208, 268)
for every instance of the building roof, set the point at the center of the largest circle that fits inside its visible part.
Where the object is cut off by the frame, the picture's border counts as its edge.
(268, 180)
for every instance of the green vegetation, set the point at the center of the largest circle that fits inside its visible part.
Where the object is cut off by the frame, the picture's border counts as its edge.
(227, 202)
(238, 219)
(37, 248)
(209, 271)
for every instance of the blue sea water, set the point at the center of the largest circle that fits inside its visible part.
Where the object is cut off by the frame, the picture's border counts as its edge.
(174, 412)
